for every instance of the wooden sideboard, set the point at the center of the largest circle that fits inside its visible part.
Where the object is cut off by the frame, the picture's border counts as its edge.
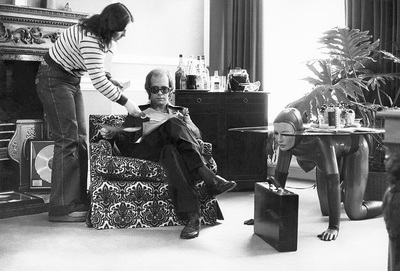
(237, 155)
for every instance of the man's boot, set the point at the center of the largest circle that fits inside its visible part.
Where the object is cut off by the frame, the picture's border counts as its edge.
(215, 184)
(192, 228)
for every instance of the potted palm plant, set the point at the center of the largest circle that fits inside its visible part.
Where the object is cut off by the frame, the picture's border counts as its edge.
(350, 73)
(347, 74)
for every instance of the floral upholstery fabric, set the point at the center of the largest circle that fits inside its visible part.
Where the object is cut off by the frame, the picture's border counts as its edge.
(130, 193)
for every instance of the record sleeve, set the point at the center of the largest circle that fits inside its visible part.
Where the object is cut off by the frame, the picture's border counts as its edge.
(41, 164)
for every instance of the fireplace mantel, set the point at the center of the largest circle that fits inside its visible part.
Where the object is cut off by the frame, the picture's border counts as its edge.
(26, 33)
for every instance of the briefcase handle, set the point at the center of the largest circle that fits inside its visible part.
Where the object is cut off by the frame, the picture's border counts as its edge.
(271, 180)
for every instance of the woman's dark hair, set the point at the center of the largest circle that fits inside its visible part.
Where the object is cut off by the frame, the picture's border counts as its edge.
(113, 18)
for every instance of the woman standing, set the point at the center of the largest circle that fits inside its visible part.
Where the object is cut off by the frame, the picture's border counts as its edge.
(79, 49)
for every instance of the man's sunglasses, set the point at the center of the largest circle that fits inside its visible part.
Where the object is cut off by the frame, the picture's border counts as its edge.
(156, 89)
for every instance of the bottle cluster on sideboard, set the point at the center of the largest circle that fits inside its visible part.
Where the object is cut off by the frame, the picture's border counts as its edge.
(192, 74)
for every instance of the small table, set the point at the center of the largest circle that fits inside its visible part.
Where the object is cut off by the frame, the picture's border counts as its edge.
(324, 134)
(329, 196)
(311, 131)
(256, 129)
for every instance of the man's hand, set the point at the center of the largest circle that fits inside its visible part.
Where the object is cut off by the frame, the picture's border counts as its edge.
(106, 133)
(179, 115)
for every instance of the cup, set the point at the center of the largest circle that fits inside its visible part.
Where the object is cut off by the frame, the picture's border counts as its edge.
(222, 84)
(349, 117)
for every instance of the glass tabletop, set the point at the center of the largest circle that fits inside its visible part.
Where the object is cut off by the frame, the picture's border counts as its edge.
(314, 131)
(255, 129)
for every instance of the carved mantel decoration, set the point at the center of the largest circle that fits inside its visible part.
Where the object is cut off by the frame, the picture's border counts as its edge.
(26, 33)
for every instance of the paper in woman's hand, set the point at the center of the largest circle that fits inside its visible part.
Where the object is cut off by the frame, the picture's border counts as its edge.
(126, 85)
(155, 119)
(119, 129)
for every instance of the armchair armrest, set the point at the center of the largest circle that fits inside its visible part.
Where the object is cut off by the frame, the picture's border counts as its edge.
(123, 168)
(206, 151)
(206, 147)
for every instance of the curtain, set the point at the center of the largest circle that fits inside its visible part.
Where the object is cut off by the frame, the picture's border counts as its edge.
(381, 19)
(236, 36)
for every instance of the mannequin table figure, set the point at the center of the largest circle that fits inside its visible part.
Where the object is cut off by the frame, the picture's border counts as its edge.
(339, 155)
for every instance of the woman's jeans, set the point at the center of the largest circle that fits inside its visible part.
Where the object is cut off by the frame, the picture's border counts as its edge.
(61, 97)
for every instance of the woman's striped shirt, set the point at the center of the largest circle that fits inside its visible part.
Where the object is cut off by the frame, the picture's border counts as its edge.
(78, 52)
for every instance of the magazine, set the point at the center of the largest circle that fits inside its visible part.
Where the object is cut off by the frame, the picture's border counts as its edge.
(156, 118)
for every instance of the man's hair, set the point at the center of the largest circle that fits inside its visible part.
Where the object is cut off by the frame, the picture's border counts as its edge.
(114, 18)
(157, 73)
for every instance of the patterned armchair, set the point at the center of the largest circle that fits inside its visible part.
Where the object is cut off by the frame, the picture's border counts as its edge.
(127, 192)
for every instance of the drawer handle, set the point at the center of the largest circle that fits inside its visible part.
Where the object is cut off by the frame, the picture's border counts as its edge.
(245, 100)
(198, 100)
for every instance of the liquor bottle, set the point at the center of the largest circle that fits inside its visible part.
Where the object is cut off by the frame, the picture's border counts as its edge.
(184, 80)
(199, 78)
(191, 74)
(205, 73)
(215, 82)
(180, 76)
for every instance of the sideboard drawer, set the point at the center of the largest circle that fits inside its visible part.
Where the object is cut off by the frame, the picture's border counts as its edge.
(195, 98)
(246, 98)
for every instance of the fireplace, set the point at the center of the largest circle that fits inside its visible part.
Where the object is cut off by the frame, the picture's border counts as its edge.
(26, 33)
(18, 98)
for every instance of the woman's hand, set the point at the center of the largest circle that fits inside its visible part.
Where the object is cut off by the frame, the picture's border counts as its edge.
(116, 82)
(106, 133)
(134, 110)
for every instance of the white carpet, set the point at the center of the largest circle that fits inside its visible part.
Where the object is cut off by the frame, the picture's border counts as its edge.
(33, 243)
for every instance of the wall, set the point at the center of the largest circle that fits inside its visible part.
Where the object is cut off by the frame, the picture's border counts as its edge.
(75, 5)
(161, 31)
(291, 33)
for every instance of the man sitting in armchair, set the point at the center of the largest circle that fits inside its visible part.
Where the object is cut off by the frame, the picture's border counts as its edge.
(168, 136)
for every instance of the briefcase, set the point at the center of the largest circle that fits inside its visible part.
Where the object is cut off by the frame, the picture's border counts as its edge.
(276, 216)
